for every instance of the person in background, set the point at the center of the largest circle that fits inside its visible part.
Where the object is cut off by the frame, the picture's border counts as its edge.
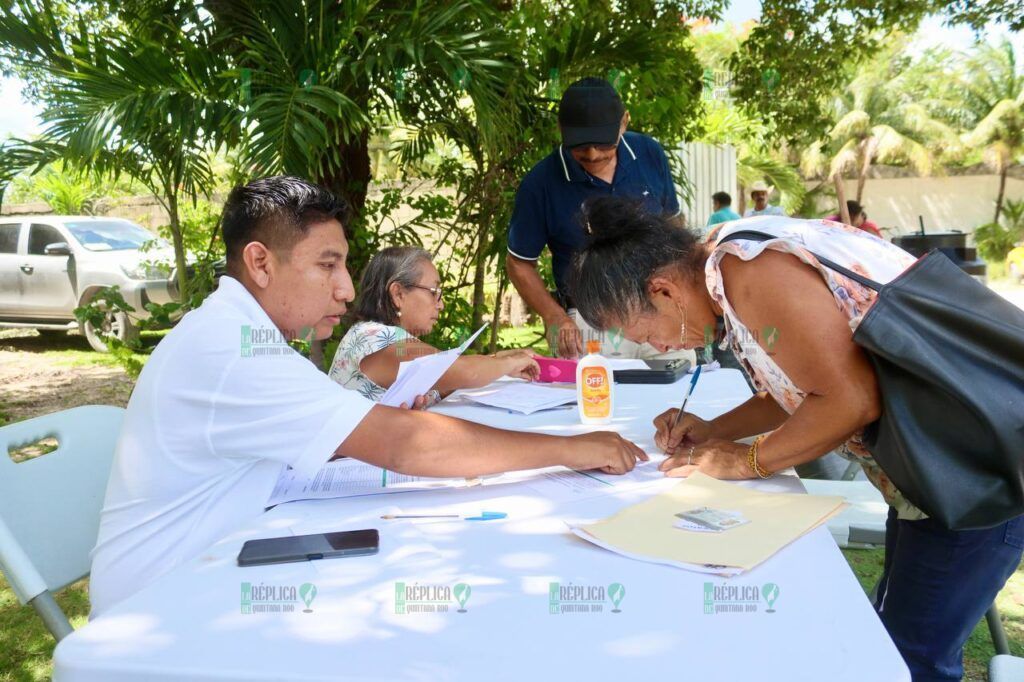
(598, 157)
(721, 202)
(858, 218)
(759, 193)
(399, 300)
(224, 405)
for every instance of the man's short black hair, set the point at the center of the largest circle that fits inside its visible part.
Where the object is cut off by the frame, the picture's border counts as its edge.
(854, 208)
(722, 198)
(277, 212)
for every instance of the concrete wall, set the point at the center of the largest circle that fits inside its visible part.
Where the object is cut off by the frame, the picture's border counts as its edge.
(955, 202)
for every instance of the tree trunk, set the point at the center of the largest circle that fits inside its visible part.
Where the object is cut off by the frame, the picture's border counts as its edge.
(179, 245)
(862, 178)
(351, 180)
(498, 298)
(479, 275)
(1002, 191)
(844, 211)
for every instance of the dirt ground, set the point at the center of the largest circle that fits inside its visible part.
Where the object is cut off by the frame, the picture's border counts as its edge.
(39, 375)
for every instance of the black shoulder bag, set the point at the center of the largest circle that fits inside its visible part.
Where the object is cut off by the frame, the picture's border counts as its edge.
(949, 356)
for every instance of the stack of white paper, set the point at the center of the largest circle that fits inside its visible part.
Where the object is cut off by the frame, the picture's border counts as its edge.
(351, 478)
(520, 396)
(417, 377)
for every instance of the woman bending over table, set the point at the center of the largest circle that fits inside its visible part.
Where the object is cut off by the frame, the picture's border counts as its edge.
(789, 320)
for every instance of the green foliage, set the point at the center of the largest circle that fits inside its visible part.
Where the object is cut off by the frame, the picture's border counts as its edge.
(107, 299)
(802, 52)
(996, 240)
(110, 299)
(140, 100)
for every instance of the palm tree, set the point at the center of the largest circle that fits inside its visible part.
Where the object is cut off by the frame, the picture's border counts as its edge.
(136, 102)
(311, 78)
(874, 126)
(992, 86)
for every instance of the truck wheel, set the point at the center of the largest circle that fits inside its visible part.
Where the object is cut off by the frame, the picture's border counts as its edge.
(116, 324)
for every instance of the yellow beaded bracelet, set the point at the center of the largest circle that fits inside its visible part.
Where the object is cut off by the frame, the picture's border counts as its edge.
(752, 459)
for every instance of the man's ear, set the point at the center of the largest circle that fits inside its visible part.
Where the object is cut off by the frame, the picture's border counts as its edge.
(624, 124)
(259, 263)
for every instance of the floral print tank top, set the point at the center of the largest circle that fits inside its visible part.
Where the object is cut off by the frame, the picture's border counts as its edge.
(855, 249)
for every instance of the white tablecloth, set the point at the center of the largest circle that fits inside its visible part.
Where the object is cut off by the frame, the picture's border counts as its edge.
(188, 625)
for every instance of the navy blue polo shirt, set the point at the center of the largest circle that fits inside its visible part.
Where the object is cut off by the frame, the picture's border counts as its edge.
(549, 198)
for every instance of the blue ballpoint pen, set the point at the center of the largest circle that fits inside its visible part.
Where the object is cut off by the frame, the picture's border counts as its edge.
(686, 398)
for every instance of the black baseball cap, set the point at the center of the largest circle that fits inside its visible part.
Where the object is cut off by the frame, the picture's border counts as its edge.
(590, 113)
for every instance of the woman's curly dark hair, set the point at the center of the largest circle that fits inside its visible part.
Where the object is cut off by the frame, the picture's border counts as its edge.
(625, 246)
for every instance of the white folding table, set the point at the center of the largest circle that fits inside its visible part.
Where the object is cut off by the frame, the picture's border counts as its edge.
(190, 624)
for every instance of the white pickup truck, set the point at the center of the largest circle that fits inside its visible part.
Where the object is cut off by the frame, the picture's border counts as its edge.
(50, 265)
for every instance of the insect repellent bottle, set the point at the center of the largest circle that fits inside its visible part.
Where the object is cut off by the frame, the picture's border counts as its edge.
(594, 386)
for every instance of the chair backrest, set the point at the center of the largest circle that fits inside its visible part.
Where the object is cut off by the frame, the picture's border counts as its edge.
(50, 505)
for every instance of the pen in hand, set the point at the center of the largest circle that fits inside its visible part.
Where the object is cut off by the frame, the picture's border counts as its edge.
(682, 408)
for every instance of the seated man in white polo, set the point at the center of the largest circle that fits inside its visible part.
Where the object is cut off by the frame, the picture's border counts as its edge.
(224, 404)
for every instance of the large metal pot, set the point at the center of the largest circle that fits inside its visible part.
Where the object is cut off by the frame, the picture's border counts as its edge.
(953, 244)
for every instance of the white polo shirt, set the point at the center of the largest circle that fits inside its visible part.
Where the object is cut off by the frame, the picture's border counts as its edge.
(221, 408)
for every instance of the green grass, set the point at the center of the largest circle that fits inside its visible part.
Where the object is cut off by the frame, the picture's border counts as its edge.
(523, 337)
(25, 645)
(867, 566)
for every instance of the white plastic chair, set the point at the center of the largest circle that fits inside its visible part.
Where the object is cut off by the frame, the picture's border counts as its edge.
(50, 505)
(1005, 668)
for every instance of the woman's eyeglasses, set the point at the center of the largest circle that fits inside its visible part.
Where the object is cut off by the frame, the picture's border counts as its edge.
(436, 291)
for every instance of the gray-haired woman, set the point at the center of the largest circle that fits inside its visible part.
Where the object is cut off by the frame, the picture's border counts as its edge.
(399, 300)
(789, 321)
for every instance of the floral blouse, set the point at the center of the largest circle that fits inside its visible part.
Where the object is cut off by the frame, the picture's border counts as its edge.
(855, 249)
(364, 338)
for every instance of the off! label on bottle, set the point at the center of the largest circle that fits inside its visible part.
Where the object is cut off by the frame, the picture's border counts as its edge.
(596, 392)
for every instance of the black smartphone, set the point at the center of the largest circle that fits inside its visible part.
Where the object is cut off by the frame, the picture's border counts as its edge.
(657, 372)
(309, 547)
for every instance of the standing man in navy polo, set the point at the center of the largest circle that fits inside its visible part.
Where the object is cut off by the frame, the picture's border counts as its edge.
(597, 156)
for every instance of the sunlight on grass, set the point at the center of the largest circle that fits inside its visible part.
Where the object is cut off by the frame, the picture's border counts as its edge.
(25, 644)
(867, 565)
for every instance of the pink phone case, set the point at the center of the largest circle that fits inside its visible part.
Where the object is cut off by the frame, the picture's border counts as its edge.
(556, 369)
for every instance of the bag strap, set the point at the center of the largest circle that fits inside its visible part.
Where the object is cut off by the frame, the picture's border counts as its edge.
(756, 236)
